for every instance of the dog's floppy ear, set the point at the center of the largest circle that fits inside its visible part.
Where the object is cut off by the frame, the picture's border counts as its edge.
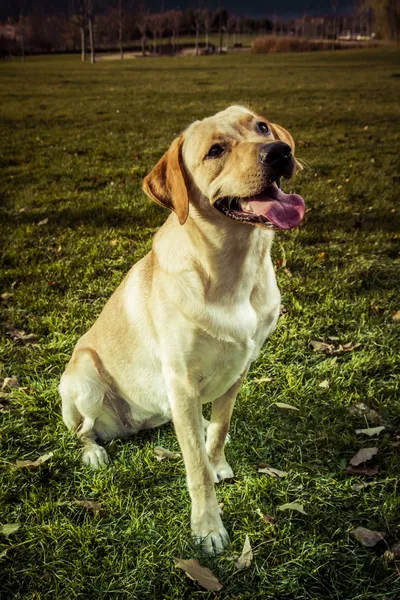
(166, 183)
(280, 133)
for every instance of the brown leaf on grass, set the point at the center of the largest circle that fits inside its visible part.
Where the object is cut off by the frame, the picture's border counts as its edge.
(367, 537)
(396, 549)
(9, 383)
(362, 410)
(284, 406)
(244, 560)
(262, 380)
(363, 484)
(90, 505)
(293, 506)
(324, 384)
(322, 346)
(363, 455)
(6, 296)
(44, 221)
(33, 463)
(346, 348)
(375, 308)
(19, 335)
(202, 575)
(271, 471)
(370, 431)
(265, 518)
(396, 315)
(162, 453)
(368, 471)
(10, 528)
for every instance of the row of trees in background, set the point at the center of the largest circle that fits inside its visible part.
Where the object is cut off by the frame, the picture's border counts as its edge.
(122, 24)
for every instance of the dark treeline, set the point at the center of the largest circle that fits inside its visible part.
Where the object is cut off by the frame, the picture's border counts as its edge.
(108, 25)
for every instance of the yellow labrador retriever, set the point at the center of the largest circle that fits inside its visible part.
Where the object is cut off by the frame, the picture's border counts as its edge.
(189, 318)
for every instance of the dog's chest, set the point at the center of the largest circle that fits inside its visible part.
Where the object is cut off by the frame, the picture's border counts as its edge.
(225, 356)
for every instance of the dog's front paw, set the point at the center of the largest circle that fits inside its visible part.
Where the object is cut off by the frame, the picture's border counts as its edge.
(222, 471)
(94, 456)
(210, 534)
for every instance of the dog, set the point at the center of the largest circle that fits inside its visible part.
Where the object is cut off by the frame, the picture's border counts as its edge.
(189, 318)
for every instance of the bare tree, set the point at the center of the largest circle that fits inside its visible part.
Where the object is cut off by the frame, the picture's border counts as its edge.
(82, 27)
(21, 31)
(334, 7)
(174, 21)
(156, 25)
(90, 17)
(142, 23)
(207, 23)
(197, 18)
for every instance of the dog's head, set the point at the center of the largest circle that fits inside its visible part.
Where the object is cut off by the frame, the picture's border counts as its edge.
(232, 163)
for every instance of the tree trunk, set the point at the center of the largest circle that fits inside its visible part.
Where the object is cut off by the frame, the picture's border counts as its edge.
(143, 43)
(91, 40)
(197, 39)
(83, 44)
(21, 32)
(121, 49)
(220, 33)
(207, 40)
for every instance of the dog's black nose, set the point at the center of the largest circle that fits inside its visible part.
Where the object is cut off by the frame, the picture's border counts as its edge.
(276, 154)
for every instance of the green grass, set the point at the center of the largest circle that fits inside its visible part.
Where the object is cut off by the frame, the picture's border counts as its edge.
(76, 142)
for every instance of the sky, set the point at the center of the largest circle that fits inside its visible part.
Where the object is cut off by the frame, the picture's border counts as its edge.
(253, 8)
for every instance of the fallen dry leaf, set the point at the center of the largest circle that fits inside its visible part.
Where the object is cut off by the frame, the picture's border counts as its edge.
(322, 346)
(359, 486)
(272, 471)
(244, 560)
(89, 504)
(293, 506)
(367, 537)
(285, 406)
(346, 348)
(362, 410)
(10, 528)
(370, 431)
(321, 255)
(324, 384)
(20, 335)
(34, 463)
(396, 315)
(363, 455)
(368, 471)
(396, 549)
(375, 308)
(265, 518)
(202, 575)
(6, 296)
(9, 383)
(43, 221)
(162, 453)
(262, 380)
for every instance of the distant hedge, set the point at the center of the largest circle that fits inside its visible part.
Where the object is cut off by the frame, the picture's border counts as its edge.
(275, 43)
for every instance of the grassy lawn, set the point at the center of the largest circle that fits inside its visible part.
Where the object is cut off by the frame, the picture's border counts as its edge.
(76, 142)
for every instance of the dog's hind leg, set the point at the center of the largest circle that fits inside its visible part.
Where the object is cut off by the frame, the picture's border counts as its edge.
(82, 391)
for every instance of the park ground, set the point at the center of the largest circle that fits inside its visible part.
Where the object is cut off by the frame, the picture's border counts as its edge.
(76, 142)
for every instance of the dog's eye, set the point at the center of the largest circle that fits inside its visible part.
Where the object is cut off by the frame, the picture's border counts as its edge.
(263, 127)
(215, 151)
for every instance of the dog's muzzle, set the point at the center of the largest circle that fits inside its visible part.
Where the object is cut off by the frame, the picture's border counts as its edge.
(278, 158)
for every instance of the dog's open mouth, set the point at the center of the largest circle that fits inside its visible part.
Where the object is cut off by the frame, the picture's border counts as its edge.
(272, 208)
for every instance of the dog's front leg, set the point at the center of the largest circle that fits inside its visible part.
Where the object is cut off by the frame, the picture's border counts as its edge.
(218, 429)
(207, 527)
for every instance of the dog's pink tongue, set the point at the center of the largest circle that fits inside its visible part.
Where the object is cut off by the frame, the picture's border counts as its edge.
(283, 210)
